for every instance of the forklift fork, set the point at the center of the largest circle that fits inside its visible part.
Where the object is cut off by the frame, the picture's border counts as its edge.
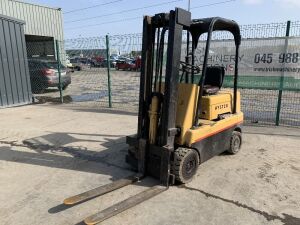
(124, 205)
(119, 207)
(85, 196)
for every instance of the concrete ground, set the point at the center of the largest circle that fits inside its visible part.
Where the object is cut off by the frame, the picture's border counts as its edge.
(50, 152)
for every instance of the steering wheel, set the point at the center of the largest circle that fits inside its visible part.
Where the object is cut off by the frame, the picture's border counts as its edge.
(186, 67)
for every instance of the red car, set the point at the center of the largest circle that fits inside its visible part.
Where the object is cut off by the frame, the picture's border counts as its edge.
(123, 65)
(138, 62)
(128, 64)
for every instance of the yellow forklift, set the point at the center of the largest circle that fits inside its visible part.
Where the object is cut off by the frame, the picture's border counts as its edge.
(181, 122)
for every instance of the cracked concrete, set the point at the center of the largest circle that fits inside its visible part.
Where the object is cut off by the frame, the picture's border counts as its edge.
(48, 153)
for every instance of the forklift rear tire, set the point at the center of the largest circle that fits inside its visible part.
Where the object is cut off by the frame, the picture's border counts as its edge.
(235, 142)
(185, 164)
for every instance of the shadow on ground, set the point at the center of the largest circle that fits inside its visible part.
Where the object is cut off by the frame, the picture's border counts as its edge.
(106, 110)
(48, 150)
(96, 109)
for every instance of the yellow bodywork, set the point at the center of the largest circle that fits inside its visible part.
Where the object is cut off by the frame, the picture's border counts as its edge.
(153, 115)
(215, 105)
(212, 106)
(186, 108)
(209, 128)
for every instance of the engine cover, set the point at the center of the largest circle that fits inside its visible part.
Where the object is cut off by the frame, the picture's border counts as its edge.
(214, 105)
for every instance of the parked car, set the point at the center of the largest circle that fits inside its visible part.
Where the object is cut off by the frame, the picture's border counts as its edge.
(122, 65)
(138, 63)
(134, 65)
(113, 59)
(44, 74)
(128, 64)
(79, 63)
(70, 66)
(104, 63)
(114, 56)
(96, 61)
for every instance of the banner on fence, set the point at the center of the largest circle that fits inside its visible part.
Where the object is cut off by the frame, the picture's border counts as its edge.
(258, 57)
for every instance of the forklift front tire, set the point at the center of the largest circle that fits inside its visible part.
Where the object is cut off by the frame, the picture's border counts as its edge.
(185, 164)
(235, 142)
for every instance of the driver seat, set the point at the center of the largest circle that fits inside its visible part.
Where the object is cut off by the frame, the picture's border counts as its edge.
(213, 80)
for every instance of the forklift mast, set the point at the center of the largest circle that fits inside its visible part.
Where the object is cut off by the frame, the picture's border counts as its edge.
(151, 85)
(172, 22)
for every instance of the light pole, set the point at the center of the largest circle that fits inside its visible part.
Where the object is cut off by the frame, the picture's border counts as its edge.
(81, 55)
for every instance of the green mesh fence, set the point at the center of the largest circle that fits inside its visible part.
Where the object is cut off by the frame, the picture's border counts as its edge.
(269, 71)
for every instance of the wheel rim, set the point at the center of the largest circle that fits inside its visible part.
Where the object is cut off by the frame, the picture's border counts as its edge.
(190, 166)
(236, 144)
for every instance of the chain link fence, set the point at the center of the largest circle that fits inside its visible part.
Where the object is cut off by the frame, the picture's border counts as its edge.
(103, 72)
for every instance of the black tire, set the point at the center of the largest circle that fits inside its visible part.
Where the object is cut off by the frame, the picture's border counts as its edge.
(185, 164)
(235, 142)
(38, 90)
(117, 68)
(65, 87)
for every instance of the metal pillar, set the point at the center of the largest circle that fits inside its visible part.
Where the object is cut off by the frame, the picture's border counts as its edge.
(281, 84)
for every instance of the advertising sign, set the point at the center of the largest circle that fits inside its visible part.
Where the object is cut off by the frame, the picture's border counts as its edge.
(258, 57)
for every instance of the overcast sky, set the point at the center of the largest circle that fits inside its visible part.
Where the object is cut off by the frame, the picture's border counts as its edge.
(243, 11)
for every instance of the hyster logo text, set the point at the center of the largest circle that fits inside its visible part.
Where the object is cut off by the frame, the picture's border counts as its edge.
(223, 106)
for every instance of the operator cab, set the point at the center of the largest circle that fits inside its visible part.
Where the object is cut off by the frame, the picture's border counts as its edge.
(214, 80)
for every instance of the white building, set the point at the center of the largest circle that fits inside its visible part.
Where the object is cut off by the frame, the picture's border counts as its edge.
(43, 25)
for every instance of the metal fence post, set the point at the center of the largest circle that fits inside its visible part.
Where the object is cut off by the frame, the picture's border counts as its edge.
(59, 71)
(281, 84)
(108, 71)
